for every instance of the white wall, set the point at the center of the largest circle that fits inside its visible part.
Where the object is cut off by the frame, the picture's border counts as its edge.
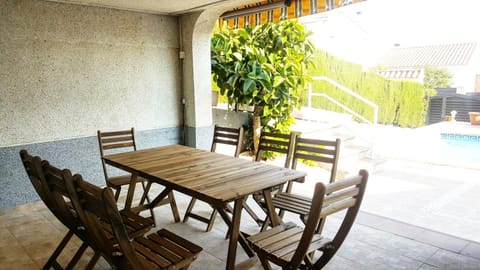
(68, 70)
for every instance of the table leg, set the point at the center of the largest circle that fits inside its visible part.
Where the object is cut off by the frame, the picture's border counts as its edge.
(242, 240)
(131, 192)
(235, 236)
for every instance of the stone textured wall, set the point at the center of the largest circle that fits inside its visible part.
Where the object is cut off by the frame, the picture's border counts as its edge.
(68, 70)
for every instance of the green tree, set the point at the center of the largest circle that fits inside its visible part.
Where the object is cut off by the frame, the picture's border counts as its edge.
(265, 67)
(436, 77)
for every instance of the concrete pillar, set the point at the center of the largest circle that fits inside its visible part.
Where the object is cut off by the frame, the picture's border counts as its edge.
(196, 30)
(195, 35)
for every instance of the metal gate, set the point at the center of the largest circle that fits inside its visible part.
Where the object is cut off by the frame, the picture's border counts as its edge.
(447, 101)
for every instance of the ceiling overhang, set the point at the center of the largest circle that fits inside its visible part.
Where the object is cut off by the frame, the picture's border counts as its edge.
(165, 7)
(237, 13)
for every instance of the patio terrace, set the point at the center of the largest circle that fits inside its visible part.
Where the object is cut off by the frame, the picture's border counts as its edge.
(30, 233)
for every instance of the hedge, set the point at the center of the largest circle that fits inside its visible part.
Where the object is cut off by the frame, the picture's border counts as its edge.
(401, 102)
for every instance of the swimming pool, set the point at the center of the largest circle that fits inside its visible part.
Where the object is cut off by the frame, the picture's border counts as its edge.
(459, 149)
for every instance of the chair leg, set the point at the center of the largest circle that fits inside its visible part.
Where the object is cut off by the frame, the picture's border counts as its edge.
(93, 261)
(77, 256)
(252, 214)
(52, 261)
(263, 259)
(117, 192)
(265, 224)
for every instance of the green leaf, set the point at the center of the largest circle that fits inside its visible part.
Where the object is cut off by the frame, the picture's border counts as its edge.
(277, 81)
(248, 85)
(238, 56)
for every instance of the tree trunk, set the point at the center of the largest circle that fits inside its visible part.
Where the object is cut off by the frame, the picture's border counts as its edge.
(257, 127)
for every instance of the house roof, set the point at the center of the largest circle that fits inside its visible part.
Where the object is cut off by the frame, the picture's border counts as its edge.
(410, 74)
(436, 55)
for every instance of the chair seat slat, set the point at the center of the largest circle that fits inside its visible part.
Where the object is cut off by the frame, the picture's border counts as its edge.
(147, 253)
(271, 242)
(262, 235)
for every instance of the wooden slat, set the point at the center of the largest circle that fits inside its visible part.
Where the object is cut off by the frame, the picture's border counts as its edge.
(332, 187)
(274, 149)
(224, 135)
(301, 141)
(262, 235)
(341, 195)
(209, 173)
(180, 241)
(278, 242)
(117, 139)
(314, 158)
(116, 133)
(227, 129)
(333, 208)
(151, 256)
(223, 141)
(117, 145)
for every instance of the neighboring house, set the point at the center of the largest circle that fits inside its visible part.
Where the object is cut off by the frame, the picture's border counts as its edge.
(461, 60)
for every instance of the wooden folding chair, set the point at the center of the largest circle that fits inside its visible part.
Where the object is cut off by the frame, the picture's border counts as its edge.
(122, 141)
(294, 247)
(60, 209)
(221, 135)
(313, 150)
(49, 182)
(276, 143)
(96, 208)
(273, 143)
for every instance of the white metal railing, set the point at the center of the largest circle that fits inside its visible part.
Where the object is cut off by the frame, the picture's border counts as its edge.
(349, 110)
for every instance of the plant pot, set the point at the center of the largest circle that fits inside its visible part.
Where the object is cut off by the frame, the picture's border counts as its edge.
(474, 118)
(214, 98)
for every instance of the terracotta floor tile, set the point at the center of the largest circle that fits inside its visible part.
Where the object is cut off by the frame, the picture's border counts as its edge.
(12, 254)
(30, 235)
(19, 265)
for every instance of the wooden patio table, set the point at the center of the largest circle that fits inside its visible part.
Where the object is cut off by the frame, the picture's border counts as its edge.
(211, 177)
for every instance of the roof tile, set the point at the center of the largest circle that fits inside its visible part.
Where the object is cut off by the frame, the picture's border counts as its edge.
(436, 55)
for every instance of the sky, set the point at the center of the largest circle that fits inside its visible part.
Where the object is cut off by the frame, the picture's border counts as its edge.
(363, 32)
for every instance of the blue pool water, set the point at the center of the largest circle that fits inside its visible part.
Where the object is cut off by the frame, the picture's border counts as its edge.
(460, 148)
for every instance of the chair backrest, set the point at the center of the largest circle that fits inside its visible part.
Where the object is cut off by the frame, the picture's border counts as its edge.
(97, 209)
(228, 136)
(33, 168)
(47, 182)
(115, 141)
(322, 151)
(55, 180)
(328, 199)
(278, 143)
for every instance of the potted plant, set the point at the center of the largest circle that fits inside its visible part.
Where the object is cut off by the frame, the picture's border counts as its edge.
(474, 118)
(263, 67)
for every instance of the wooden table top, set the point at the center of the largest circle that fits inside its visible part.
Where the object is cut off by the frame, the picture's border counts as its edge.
(209, 176)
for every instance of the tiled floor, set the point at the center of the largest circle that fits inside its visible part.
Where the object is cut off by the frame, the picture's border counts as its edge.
(29, 233)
